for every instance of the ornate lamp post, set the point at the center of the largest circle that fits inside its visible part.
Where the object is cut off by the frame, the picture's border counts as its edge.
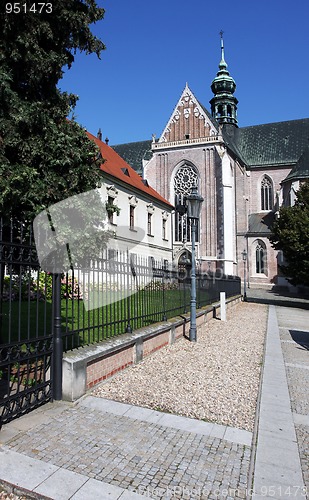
(244, 258)
(194, 204)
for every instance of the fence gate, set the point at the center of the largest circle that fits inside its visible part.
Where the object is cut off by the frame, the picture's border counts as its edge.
(25, 325)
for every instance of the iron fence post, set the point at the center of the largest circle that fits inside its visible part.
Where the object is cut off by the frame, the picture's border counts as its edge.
(245, 284)
(192, 332)
(57, 338)
(129, 326)
(164, 317)
(198, 284)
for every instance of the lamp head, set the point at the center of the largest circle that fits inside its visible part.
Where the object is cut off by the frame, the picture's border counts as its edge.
(244, 255)
(194, 204)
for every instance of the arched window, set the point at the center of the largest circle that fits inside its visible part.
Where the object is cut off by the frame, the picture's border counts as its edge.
(260, 258)
(267, 197)
(185, 179)
(220, 111)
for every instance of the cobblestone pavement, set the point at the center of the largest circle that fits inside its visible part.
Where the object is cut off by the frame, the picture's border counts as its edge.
(149, 458)
(295, 348)
(116, 450)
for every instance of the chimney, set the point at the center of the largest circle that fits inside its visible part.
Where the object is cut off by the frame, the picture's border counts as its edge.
(107, 140)
(99, 134)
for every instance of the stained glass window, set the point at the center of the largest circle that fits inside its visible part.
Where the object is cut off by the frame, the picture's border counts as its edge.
(266, 193)
(260, 258)
(185, 179)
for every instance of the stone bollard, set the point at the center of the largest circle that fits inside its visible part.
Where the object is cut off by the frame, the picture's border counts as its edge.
(222, 306)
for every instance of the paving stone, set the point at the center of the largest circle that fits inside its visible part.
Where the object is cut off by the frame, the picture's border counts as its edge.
(196, 450)
(116, 446)
(29, 475)
(280, 452)
(61, 485)
(96, 489)
(297, 364)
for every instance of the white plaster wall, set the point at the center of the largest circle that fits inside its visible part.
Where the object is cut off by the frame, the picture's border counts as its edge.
(137, 240)
(228, 214)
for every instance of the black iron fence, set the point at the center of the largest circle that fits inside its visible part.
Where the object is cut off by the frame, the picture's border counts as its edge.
(25, 325)
(117, 293)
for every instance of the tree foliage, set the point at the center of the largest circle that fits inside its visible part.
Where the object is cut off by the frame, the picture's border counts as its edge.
(44, 158)
(291, 235)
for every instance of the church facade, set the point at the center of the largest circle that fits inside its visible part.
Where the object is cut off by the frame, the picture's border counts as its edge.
(243, 174)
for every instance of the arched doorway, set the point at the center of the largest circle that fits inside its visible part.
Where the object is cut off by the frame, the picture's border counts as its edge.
(184, 266)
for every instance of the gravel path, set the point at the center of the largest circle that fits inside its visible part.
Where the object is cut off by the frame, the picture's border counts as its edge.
(4, 495)
(215, 379)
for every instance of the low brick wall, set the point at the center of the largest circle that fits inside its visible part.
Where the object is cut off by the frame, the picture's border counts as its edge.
(154, 343)
(85, 367)
(101, 368)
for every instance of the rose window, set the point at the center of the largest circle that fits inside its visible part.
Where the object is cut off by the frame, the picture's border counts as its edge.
(185, 179)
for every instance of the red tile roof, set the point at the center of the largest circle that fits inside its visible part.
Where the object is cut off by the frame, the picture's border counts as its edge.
(115, 166)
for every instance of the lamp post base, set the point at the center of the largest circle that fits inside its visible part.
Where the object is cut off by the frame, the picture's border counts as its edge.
(192, 335)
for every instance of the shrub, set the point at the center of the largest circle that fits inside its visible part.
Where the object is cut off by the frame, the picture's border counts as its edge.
(30, 287)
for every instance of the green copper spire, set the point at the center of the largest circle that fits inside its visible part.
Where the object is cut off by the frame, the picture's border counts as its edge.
(222, 64)
(224, 104)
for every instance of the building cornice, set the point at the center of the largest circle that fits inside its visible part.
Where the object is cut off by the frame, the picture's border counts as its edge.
(187, 143)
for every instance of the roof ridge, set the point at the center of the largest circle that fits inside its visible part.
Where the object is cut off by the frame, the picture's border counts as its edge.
(131, 142)
(274, 123)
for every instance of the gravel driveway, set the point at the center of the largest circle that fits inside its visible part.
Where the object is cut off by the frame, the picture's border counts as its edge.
(215, 379)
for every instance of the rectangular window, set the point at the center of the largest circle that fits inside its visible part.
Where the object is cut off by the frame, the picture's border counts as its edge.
(133, 263)
(132, 217)
(110, 212)
(151, 263)
(149, 224)
(112, 260)
(164, 229)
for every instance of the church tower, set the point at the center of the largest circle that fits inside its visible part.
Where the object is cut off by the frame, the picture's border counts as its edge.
(224, 104)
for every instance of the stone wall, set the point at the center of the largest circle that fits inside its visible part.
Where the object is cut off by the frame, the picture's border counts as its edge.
(87, 366)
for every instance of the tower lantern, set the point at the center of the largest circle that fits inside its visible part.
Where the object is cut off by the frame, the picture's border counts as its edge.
(224, 104)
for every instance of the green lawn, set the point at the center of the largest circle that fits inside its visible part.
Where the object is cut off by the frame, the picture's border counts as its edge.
(28, 320)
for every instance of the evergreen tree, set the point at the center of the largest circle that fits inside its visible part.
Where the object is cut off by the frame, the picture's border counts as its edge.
(44, 158)
(291, 235)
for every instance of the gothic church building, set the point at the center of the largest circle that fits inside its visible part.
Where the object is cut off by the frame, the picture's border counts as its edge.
(244, 175)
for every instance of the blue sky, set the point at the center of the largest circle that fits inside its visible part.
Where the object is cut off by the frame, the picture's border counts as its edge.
(155, 47)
